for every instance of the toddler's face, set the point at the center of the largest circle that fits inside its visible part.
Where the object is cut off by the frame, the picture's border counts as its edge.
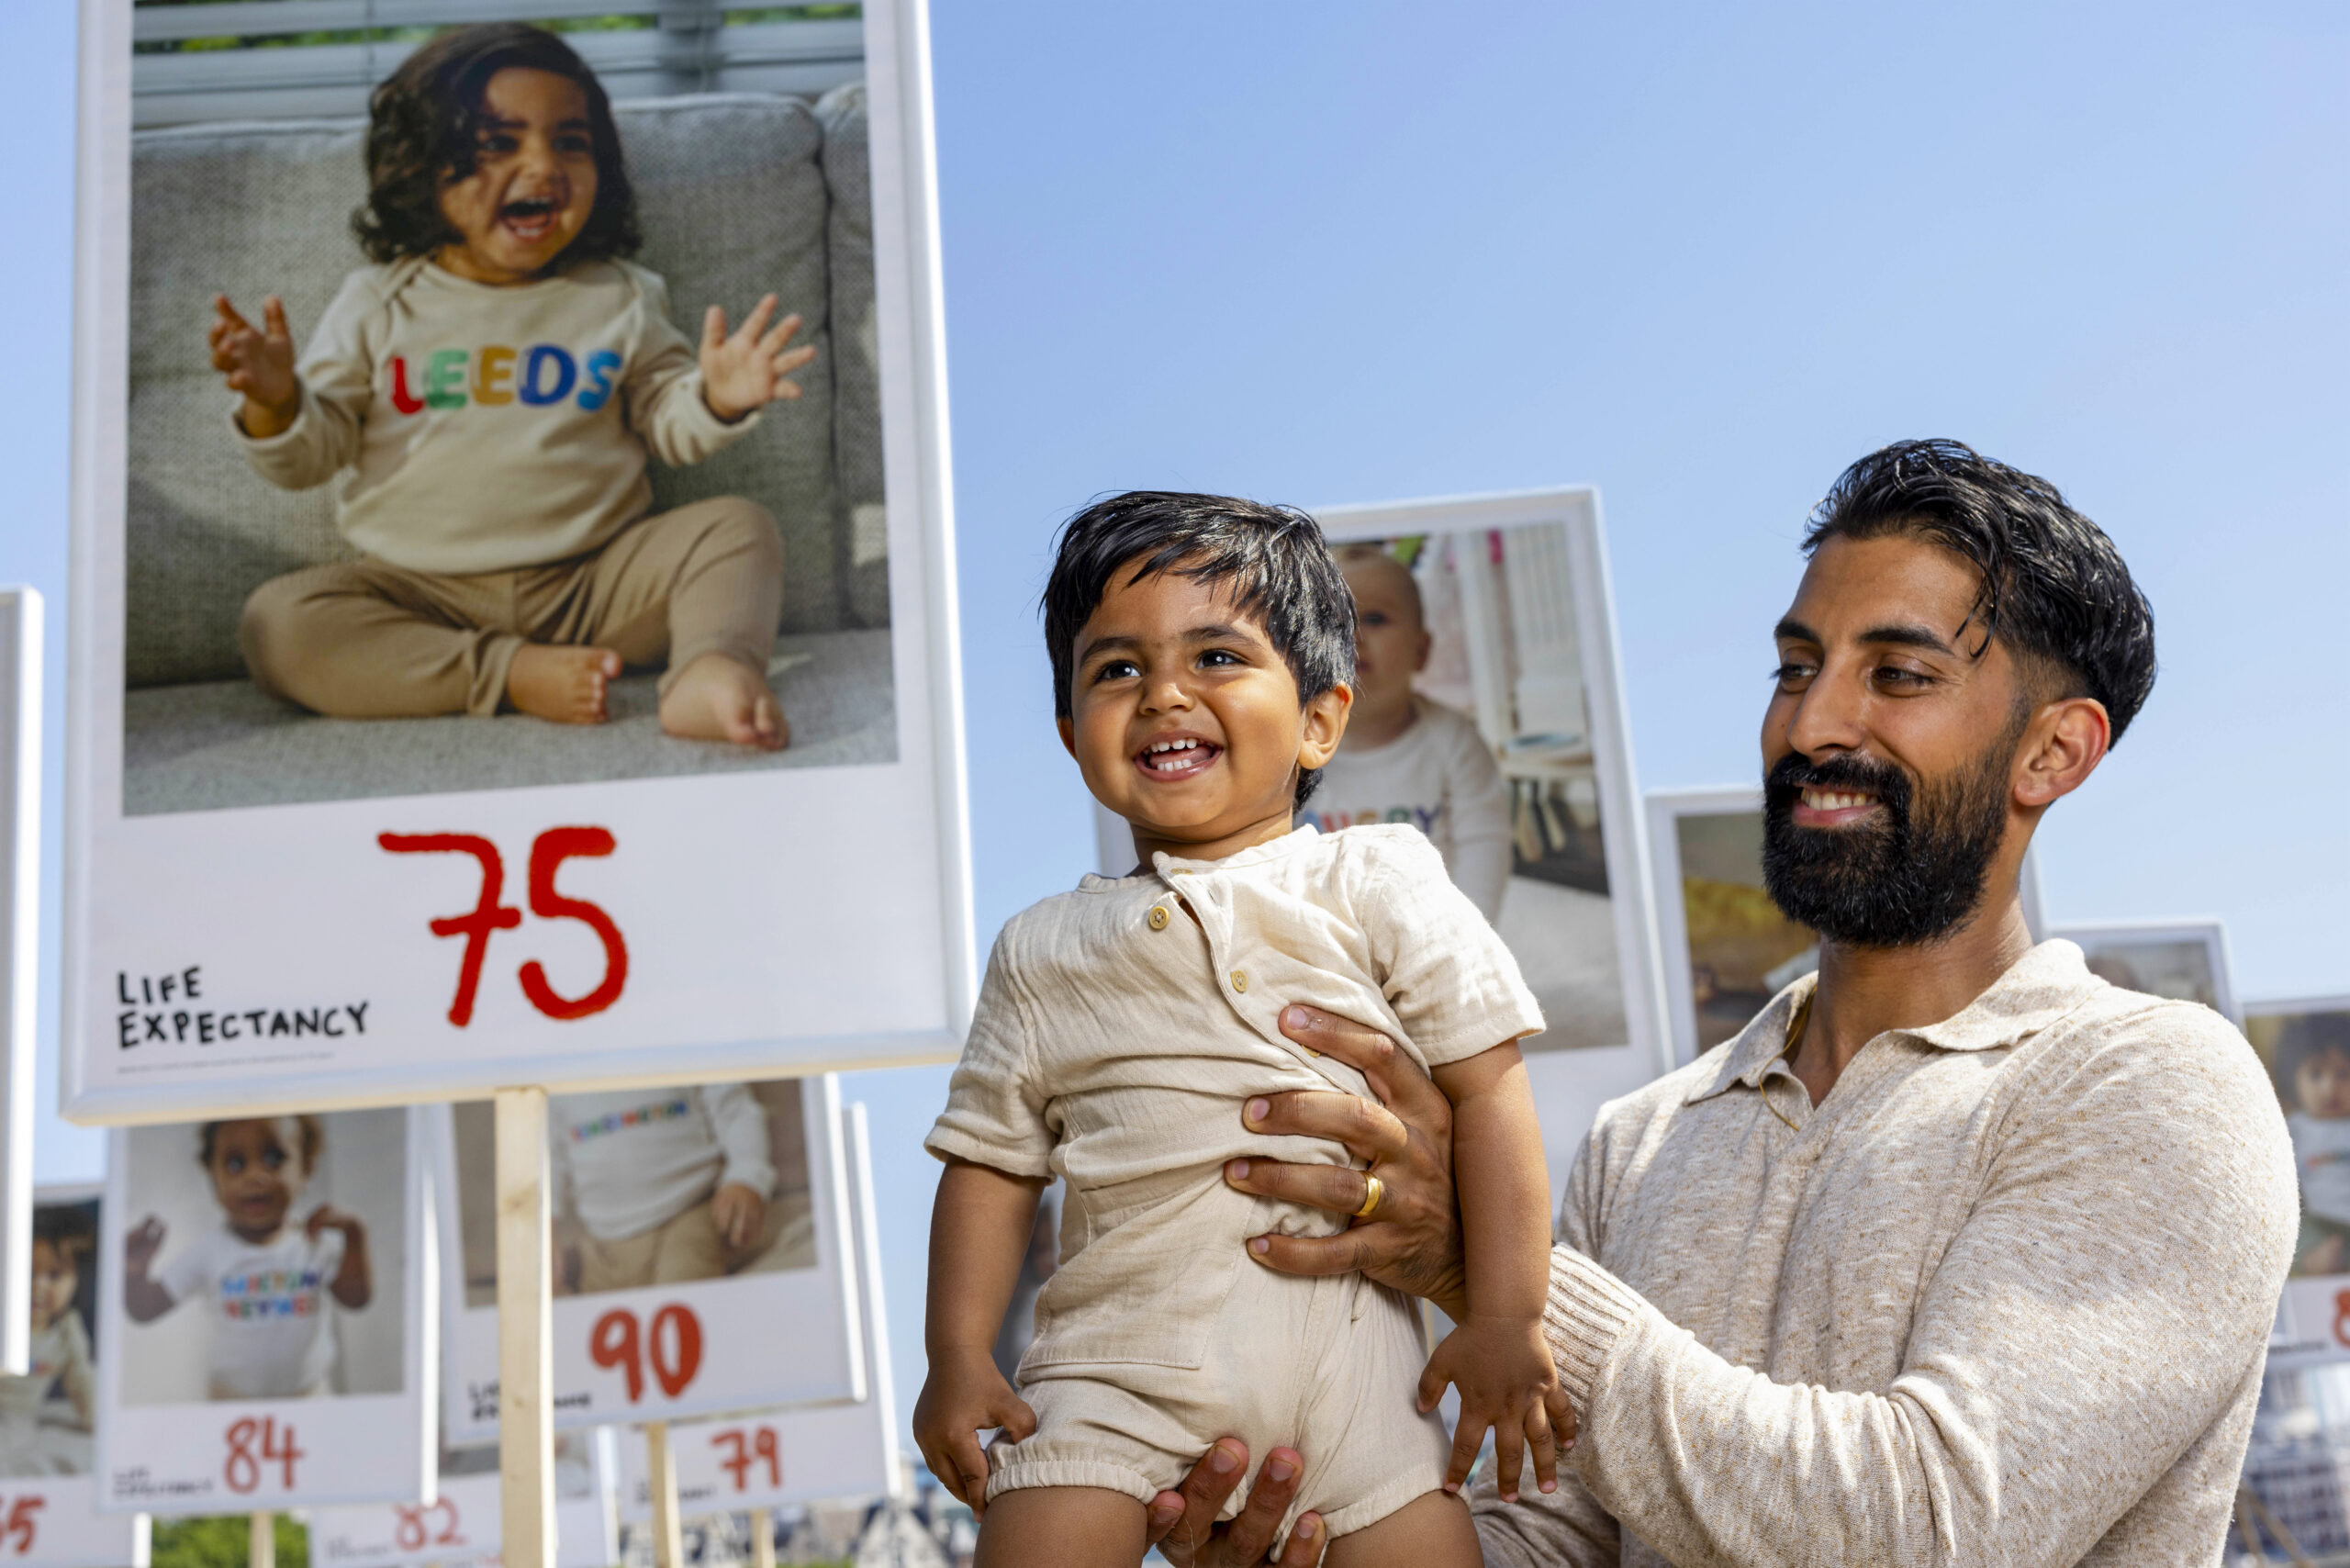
(534, 187)
(1185, 721)
(2322, 1085)
(1391, 645)
(54, 1282)
(257, 1173)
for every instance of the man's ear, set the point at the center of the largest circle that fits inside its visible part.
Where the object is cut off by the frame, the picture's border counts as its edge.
(1068, 728)
(2063, 745)
(1325, 726)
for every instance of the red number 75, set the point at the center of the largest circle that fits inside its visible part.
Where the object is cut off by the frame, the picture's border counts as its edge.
(548, 851)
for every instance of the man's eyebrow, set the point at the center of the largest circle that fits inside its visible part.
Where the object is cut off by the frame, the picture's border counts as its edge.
(1791, 630)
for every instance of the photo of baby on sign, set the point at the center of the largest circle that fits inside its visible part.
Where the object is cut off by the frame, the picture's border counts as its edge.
(262, 1338)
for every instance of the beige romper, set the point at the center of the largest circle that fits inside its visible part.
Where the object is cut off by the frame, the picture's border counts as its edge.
(1115, 1041)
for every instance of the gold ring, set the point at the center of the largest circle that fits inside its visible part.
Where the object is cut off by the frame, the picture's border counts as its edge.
(1371, 1191)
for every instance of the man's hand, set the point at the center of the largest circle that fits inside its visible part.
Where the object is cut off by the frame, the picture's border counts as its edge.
(753, 367)
(1183, 1525)
(963, 1395)
(259, 363)
(1412, 1241)
(1502, 1367)
(738, 1212)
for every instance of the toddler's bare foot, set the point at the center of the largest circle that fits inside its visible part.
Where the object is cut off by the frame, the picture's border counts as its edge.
(716, 698)
(564, 685)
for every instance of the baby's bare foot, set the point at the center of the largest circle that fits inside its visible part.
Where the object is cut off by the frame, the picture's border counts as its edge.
(561, 684)
(716, 698)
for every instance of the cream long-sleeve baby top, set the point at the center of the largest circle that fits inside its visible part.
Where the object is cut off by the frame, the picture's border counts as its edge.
(490, 429)
(1122, 1027)
(627, 1160)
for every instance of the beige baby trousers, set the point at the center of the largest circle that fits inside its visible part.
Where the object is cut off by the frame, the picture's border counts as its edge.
(1331, 1366)
(690, 1247)
(368, 640)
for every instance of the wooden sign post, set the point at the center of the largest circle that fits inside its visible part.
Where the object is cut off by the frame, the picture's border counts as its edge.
(261, 1550)
(525, 1333)
(762, 1538)
(668, 1539)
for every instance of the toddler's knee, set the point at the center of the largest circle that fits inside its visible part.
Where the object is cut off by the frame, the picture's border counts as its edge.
(750, 528)
(265, 634)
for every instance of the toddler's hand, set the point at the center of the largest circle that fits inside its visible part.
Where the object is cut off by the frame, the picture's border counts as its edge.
(326, 1217)
(964, 1394)
(739, 1213)
(259, 363)
(141, 1246)
(1502, 1367)
(752, 368)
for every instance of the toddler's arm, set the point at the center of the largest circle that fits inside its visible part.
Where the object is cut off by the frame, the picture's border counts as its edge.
(259, 363)
(1497, 1357)
(978, 1232)
(689, 401)
(143, 1296)
(75, 1374)
(353, 1284)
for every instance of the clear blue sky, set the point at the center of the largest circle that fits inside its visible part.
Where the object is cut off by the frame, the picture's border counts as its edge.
(1700, 256)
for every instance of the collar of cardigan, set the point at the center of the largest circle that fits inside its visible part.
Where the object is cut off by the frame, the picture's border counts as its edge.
(2046, 983)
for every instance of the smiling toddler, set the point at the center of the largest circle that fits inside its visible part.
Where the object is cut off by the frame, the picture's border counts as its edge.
(494, 384)
(1203, 649)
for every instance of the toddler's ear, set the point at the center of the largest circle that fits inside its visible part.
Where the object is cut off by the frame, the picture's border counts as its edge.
(1068, 728)
(1325, 725)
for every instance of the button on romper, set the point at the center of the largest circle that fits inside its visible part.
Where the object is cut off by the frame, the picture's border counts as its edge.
(1120, 1030)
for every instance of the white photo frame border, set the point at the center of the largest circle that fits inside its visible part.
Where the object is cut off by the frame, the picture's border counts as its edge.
(469, 1370)
(925, 655)
(1623, 833)
(1665, 810)
(412, 1478)
(20, 752)
(2209, 931)
(2308, 1328)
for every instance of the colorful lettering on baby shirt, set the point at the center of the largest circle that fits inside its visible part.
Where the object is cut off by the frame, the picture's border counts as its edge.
(498, 376)
(1421, 817)
(636, 1116)
(270, 1292)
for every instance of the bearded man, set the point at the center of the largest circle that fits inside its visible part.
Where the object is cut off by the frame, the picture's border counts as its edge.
(1957, 1254)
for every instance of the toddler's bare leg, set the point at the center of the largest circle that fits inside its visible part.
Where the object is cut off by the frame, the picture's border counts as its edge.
(1432, 1530)
(1064, 1527)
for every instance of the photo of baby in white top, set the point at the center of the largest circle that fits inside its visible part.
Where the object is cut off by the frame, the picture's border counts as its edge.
(45, 1416)
(2311, 1066)
(252, 1286)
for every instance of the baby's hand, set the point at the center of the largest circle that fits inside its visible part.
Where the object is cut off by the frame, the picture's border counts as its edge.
(739, 1213)
(752, 368)
(328, 1217)
(141, 1246)
(963, 1396)
(1502, 1367)
(258, 362)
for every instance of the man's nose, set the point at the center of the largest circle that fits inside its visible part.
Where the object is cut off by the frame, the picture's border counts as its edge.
(1828, 717)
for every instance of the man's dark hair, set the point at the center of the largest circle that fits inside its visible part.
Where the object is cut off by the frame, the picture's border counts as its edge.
(2053, 585)
(422, 129)
(2303, 1040)
(1271, 560)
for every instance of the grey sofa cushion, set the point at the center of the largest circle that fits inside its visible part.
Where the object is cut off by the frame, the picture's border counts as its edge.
(856, 356)
(733, 203)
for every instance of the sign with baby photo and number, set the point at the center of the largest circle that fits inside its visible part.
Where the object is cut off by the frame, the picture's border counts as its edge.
(704, 1258)
(265, 1338)
(512, 628)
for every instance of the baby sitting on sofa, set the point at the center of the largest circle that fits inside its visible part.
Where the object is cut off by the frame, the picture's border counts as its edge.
(494, 384)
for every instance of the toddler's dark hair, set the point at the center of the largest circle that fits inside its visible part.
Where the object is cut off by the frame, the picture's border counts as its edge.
(2306, 1039)
(314, 1139)
(1270, 559)
(423, 122)
(67, 1228)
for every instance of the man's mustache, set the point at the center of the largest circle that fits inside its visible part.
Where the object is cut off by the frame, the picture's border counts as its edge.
(1796, 771)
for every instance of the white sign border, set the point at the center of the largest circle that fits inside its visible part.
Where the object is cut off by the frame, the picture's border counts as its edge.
(925, 623)
(2209, 931)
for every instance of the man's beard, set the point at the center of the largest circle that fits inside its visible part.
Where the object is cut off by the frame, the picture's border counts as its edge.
(1905, 876)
